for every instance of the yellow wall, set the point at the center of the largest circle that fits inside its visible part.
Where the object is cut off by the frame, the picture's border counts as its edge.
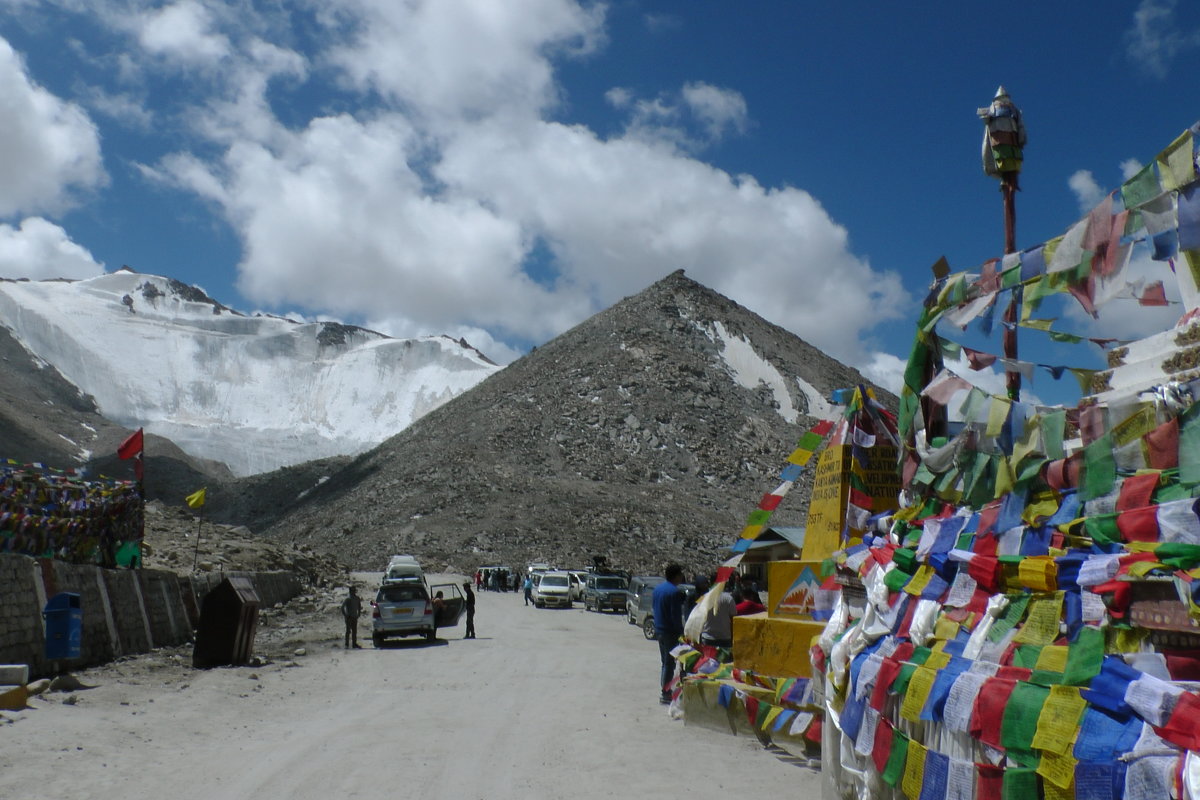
(774, 647)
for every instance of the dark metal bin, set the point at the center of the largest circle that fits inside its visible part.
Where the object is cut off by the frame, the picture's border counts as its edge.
(64, 626)
(228, 623)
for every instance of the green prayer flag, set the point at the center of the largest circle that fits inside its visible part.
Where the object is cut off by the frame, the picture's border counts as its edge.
(1053, 425)
(1021, 715)
(1020, 783)
(758, 517)
(1189, 445)
(1141, 188)
(905, 560)
(896, 579)
(1084, 657)
(1013, 614)
(1102, 528)
(1100, 468)
(1046, 677)
(1027, 655)
(810, 441)
(895, 763)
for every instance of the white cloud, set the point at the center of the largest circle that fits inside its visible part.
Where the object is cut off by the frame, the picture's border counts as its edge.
(465, 59)
(620, 213)
(717, 109)
(48, 147)
(1088, 193)
(1156, 39)
(183, 31)
(40, 249)
(886, 370)
(1130, 167)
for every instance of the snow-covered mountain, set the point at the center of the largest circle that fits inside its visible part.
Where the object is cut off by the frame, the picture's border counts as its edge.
(255, 392)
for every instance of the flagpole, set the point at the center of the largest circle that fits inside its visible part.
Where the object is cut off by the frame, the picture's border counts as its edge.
(199, 520)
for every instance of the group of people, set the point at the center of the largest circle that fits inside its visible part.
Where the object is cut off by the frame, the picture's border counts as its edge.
(496, 580)
(673, 615)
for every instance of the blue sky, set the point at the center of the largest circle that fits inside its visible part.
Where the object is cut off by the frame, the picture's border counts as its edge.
(503, 170)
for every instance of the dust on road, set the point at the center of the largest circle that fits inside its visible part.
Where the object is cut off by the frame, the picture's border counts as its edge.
(545, 703)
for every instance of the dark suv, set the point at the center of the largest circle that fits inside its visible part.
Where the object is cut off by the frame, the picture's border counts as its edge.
(602, 592)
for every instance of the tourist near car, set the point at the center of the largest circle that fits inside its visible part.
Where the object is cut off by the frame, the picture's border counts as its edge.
(405, 608)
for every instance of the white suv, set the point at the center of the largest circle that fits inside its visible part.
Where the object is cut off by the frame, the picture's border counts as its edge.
(554, 589)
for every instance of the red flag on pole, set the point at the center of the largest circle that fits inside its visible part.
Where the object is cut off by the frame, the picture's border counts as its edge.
(132, 446)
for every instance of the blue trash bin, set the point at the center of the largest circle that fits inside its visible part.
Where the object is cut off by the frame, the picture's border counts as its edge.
(64, 626)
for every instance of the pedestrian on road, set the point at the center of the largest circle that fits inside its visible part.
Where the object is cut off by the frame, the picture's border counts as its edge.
(528, 588)
(470, 612)
(668, 624)
(351, 611)
(718, 624)
(478, 579)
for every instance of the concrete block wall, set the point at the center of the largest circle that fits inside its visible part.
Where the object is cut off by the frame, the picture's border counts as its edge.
(124, 611)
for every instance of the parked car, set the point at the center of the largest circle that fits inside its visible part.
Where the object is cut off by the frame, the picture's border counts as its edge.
(604, 592)
(405, 608)
(578, 581)
(644, 613)
(554, 589)
(639, 585)
(403, 568)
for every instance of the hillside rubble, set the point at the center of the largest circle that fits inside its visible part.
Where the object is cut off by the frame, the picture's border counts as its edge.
(644, 434)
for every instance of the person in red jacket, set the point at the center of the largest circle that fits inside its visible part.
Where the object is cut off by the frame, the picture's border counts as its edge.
(749, 604)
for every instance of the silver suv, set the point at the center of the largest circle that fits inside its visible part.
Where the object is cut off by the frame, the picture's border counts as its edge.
(404, 608)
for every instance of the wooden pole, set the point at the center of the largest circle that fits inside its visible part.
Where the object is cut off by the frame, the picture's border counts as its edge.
(1012, 378)
(199, 519)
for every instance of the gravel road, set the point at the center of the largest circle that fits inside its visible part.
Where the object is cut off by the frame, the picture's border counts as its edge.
(544, 704)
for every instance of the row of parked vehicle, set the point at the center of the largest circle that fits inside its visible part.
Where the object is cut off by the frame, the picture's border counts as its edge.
(601, 592)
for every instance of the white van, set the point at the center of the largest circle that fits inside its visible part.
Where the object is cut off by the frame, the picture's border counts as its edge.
(403, 568)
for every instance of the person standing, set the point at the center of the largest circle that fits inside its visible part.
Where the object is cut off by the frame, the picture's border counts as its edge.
(528, 589)
(718, 624)
(668, 624)
(351, 611)
(470, 612)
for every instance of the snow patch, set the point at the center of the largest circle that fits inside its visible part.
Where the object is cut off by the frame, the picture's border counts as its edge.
(255, 392)
(818, 406)
(750, 369)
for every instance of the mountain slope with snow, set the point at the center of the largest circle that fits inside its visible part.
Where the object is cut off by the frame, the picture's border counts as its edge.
(254, 392)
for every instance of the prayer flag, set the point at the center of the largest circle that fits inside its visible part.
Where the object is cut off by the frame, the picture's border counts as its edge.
(132, 446)
(196, 499)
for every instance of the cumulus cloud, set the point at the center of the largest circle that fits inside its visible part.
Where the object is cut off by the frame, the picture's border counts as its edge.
(40, 249)
(1088, 193)
(1156, 39)
(183, 31)
(443, 193)
(49, 148)
(717, 109)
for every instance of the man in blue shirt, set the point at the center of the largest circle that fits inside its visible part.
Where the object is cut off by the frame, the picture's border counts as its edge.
(668, 623)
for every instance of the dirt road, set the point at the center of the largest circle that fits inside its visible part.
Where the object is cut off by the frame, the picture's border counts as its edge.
(544, 704)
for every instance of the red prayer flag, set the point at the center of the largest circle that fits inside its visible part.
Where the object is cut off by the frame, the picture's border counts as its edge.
(1162, 445)
(770, 502)
(1154, 295)
(883, 745)
(823, 427)
(1136, 491)
(990, 783)
(1139, 525)
(989, 710)
(978, 359)
(888, 671)
(132, 445)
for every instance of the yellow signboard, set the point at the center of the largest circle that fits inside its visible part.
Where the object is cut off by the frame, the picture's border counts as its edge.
(831, 487)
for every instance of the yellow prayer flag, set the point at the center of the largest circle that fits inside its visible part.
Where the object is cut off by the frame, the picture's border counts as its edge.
(771, 715)
(938, 659)
(1053, 658)
(1038, 573)
(914, 769)
(945, 629)
(1057, 769)
(997, 414)
(1042, 620)
(920, 580)
(917, 693)
(196, 499)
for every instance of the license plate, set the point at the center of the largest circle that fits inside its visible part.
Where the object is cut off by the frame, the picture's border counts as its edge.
(398, 611)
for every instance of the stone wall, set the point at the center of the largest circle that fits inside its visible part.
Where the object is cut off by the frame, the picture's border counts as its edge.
(124, 611)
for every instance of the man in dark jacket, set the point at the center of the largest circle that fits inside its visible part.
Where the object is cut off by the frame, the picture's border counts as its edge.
(668, 624)
(351, 611)
(470, 611)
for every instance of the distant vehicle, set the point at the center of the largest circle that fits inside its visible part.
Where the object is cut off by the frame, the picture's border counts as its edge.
(604, 592)
(578, 580)
(540, 566)
(405, 608)
(403, 568)
(554, 589)
(643, 614)
(639, 585)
